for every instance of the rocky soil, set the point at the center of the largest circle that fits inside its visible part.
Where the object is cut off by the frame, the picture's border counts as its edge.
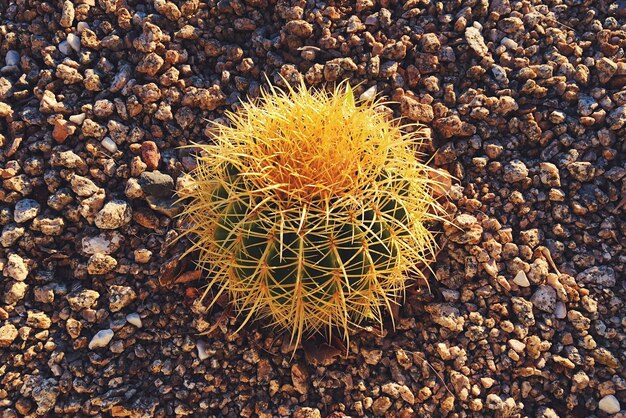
(526, 102)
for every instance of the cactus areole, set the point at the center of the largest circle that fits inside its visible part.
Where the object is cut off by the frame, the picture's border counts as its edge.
(309, 211)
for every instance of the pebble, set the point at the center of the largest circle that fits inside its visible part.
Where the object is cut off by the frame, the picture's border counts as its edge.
(105, 243)
(416, 111)
(203, 354)
(515, 171)
(544, 298)
(83, 186)
(73, 41)
(83, 299)
(12, 58)
(15, 292)
(65, 48)
(134, 319)
(368, 95)
(150, 155)
(25, 210)
(10, 234)
(155, 183)
(609, 404)
(617, 118)
(560, 311)
(120, 297)
(101, 339)
(520, 279)
(109, 145)
(101, 264)
(476, 41)
(8, 334)
(16, 268)
(113, 215)
(602, 277)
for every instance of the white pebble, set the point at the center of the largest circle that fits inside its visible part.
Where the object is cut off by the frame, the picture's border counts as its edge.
(101, 339)
(73, 41)
(202, 353)
(369, 94)
(609, 404)
(521, 279)
(78, 119)
(81, 26)
(109, 145)
(12, 58)
(509, 43)
(64, 47)
(134, 319)
(560, 311)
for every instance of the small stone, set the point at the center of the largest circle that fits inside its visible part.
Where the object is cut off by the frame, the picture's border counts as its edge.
(12, 58)
(38, 320)
(524, 310)
(446, 315)
(203, 354)
(15, 292)
(109, 145)
(134, 319)
(617, 118)
(150, 64)
(8, 334)
(113, 215)
(83, 299)
(581, 170)
(544, 298)
(515, 171)
(430, 43)
(521, 279)
(609, 404)
(307, 412)
(62, 130)
(67, 14)
(300, 378)
(10, 234)
(101, 339)
(78, 119)
(599, 276)
(396, 391)
(25, 210)
(16, 268)
(65, 48)
(150, 155)
(156, 184)
(415, 110)
(299, 28)
(517, 345)
(560, 311)
(83, 186)
(73, 41)
(101, 264)
(107, 242)
(494, 402)
(549, 174)
(368, 95)
(167, 206)
(142, 255)
(381, 405)
(476, 41)
(120, 297)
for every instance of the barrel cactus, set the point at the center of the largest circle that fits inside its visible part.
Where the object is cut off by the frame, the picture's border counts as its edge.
(309, 210)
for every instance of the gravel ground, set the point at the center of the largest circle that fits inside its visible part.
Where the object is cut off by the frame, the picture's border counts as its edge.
(527, 105)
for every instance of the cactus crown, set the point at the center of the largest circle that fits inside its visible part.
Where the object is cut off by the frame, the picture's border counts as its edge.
(309, 210)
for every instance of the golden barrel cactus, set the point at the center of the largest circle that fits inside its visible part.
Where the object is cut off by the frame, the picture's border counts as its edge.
(309, 210)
